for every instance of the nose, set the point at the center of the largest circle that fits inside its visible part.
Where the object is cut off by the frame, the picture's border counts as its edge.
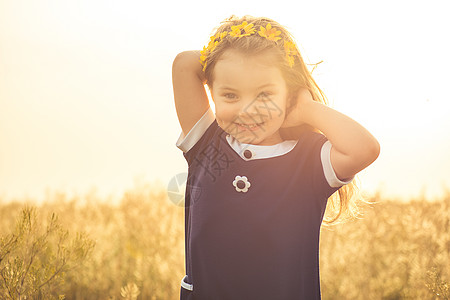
(250, 113)
(256, 112)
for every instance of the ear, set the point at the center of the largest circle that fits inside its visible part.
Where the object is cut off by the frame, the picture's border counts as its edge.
(290, 103)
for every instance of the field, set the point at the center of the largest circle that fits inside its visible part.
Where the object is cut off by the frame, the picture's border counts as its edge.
(90, 249)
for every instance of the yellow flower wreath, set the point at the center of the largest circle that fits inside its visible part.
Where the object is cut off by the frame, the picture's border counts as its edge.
(246, 29)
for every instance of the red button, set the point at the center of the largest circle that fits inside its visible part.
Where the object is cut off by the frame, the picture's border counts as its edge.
(240, 184)
(248, 154)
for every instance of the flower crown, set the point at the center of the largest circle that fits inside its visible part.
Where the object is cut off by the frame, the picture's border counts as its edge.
(246, 29)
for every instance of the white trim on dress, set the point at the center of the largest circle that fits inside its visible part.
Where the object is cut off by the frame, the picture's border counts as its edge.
(330, 175)
(186, 285)
(185, 143)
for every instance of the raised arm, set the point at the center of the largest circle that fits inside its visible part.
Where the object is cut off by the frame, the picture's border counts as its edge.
(189, 92)
(353, 147)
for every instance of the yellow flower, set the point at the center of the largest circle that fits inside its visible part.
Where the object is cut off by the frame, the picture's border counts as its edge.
(236, 31)
(203, 54)
(290, 60)
(213, 42)
(269, 33)
(203, 62)
(222, 35)
(289, 48)
(212, 46)
(248, 28)
(202, 57)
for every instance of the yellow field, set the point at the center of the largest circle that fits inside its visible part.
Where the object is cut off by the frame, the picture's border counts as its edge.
(135, 250)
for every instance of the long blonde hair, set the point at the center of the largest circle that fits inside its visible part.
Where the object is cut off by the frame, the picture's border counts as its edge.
(343, 204)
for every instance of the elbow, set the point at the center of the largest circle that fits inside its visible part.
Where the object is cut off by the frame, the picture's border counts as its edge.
(372, 151)
(188, 62)
(181, 61)
(347, 165)
(368, 152)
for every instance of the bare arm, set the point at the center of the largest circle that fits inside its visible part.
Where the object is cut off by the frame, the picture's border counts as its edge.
(354, 148)
(189, 92)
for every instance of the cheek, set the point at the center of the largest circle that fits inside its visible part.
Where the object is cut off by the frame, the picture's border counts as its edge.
(282, 107)
(224, 112)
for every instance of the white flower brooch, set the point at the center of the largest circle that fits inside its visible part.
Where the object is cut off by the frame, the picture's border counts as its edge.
(241, 184)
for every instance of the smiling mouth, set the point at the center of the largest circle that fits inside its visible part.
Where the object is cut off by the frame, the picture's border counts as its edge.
(250, 126)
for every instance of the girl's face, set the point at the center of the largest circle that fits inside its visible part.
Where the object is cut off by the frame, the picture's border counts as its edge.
(250, 97)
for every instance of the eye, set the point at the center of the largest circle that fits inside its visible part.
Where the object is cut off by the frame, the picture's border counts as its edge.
(230, 96)
(264, 95)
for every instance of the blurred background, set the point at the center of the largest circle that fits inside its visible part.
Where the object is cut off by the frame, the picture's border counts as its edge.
(88, 128)
(86, 103)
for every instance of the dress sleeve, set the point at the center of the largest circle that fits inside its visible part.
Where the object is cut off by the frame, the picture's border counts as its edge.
(324, 180)
(185, 143)
(330, 175)
(201, 140)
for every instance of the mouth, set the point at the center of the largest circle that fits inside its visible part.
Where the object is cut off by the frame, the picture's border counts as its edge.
(251, 127)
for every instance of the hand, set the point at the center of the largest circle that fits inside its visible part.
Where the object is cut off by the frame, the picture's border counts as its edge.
(294, 117)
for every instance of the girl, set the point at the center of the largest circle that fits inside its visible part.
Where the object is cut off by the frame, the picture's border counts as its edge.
(262, 168)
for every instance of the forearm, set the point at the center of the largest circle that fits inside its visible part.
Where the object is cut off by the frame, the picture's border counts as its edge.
(354, 146)
(188, 81)
(346, 135)
(189, 62)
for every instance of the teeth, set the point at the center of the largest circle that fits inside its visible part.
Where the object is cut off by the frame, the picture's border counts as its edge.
(250, 126)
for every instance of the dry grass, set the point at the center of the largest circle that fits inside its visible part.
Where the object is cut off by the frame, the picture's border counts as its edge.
(398, 250)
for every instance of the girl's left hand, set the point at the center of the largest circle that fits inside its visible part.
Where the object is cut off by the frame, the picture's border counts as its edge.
(294, 117)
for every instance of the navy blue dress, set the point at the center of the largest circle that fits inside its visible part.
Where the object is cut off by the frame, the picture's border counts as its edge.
(252, 223)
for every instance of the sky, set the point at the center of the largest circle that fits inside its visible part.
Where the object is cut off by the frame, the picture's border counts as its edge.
(86, 101)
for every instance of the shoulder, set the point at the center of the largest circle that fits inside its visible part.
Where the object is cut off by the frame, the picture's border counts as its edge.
(317, 148)
(310, 139)
(204, 137)
(188, 141)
